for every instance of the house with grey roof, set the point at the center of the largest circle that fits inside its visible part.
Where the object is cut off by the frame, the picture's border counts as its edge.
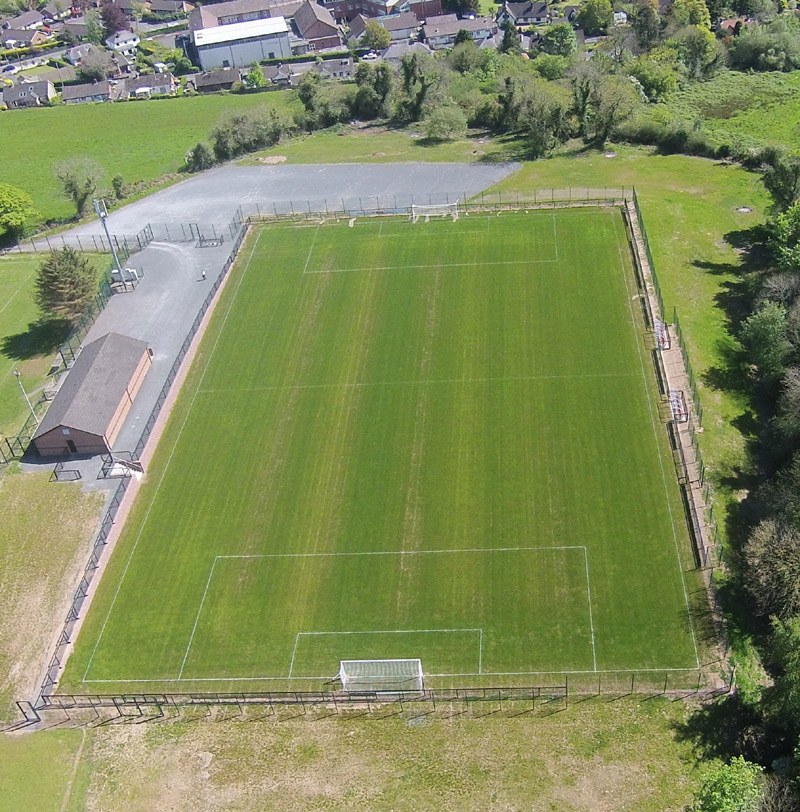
(28, 19)
(523, 14)
(91, 92)
(441, 32)
(90, 408)
(397, 50)
(30, 94)
(400, 26)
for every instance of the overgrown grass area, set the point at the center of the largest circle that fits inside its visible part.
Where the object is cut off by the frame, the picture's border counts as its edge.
(597, 756)
(755, 108)
(27, 343)
(410, 406)
(137, 140)
(44, 535)
(381, 144)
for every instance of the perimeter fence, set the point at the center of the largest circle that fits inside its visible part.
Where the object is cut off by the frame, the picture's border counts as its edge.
(605, 683)
(552, 697)
(101, 539)
(86, 243)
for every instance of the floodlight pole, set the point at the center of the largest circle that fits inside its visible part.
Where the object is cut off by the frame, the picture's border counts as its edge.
(25, 395)
(102, 214)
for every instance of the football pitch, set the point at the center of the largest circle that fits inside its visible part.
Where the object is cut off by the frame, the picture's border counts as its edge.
(435, 440)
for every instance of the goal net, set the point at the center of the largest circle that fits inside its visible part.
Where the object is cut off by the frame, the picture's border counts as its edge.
(439, 210)
(381, 675)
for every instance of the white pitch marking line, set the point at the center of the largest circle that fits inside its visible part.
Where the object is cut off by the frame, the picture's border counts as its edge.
(591, 619)
(405, 552)
(197, 617)
(171, 454)
(381, 631)
(310, 249)
(658, 445)
(488, 264)
(422, 382)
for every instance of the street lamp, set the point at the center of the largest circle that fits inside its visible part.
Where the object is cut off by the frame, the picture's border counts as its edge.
(25, 395)
(102, 213)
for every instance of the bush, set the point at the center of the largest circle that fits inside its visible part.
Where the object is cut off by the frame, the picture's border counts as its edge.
(199, 158)
(445, 122)
(239, 133)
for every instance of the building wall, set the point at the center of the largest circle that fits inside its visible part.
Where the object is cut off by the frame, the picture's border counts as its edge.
(244, 53)
(54, 443)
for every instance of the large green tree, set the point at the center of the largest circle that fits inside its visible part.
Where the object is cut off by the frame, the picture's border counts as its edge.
(559, 40)
(764, 335)
(375, 36)
(80, 178)
(734, 787)
(16, 209)
(772, 568)
(66, 284)
(595, 16)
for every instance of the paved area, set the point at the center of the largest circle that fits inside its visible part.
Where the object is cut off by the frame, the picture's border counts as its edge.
(214, 197)
(160, 311)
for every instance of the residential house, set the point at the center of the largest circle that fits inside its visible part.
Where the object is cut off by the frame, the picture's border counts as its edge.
(55, 75)
(400, 26)
(24, 21)
(229, 13)
(441, 32)
(397, 50)
(495, 42)
(237, 45)
(523, 14)
(75, 54)
(570, 13)
(126, 6)
(349, 9)
(29, 38)
(57, 10)
(216, 80)
(338, 68)
(30, 94)
(733, 25)
(91, 92)
(620, 18)
(123, 42)
(316, 26)
(170, 7)
(151, 84)
(75, 29)
(278, 75)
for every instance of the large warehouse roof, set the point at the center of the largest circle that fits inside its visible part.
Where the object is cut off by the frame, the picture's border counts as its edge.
(91, 394)
(237, 31)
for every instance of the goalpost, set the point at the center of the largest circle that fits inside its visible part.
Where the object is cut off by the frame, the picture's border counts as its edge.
(451, 210)
(380, 675)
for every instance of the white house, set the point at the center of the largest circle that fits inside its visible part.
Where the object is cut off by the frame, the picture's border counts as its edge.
(441, 32)
(123, 42)
(237, 45)
(620, 18)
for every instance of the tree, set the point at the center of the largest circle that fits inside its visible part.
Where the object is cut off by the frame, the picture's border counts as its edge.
(199, 157)
(613, 101)
(697, 50)
(462, 6)
(512, 42)
(420, 76)
(782, 180)
(94, 28)
(463, 36)
(255, 76)
(764, 335)
(375, 36)
(657, 79)
(80, 179)
(543, 113)
(445, 122)
(691, 12)
(238, 133)
(646, 22)
(66, 283)
(775, 46)
(16, 208)
(772, 568)
(119, 187)
(113, 18)
(784, 239)
(782, 698)
(559, 40)
(734, 787)
(595, 16)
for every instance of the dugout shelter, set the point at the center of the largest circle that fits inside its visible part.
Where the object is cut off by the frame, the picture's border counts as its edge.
(90, 408)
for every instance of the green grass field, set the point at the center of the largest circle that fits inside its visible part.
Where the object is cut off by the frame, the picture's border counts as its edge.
(435, 440)
(138, 140)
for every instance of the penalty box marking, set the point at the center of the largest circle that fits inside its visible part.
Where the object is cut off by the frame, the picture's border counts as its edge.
(582, 548)
(435, 265)
(479, 632)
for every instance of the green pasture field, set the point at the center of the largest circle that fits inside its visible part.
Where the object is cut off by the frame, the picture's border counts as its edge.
(143, 140)
(434, 440)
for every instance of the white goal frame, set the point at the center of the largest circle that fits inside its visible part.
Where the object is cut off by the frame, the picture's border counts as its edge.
(451, 210)
(383, 676)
